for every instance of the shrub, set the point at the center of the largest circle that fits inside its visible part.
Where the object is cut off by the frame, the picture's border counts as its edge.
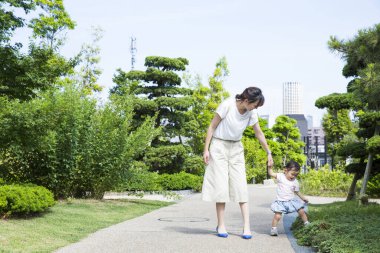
(324, 182)
(139, 179)
(194, 165)
(24, 199)
(181, 181)
(373, 186)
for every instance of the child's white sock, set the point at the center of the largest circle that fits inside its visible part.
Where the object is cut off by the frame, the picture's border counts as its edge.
(306, 223)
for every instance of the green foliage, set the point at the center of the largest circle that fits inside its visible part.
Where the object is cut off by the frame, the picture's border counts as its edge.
(51, 22)
(140, 179)
(24, 199)
(336, 124)
(157, 92)
(194, 165)
(23, 75)
(336, 101)
(367, 87)
(340, 227)
(181, 181)
(373, 187)
(65, 143)
(373, 144)
(166, 63)
(205, 100)
(166, 159)
(288, 144)
(358, 52)
(89, 69)
(255, 156)
(324, 182)
(362, 55)
(351, 146)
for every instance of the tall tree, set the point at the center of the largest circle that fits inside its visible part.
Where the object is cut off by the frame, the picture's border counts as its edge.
(22, 75)
(362, 56)
(288, 138)
(89, 69)
(158, 92)
(336, 123)
(205, 100)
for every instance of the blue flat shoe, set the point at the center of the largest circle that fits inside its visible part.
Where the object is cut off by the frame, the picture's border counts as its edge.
(224, 235)
(246, 236)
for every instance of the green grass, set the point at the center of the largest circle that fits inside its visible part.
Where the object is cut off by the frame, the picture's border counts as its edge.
(68, 222)
(341, 227)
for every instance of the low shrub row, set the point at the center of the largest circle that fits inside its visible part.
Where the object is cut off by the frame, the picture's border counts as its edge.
(141, 180)
(324, 182)
(24, 199)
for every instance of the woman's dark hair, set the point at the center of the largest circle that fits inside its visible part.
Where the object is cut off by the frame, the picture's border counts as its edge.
(292, 165)
(253, 94)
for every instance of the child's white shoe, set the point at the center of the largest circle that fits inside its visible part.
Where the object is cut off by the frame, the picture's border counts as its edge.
(273, 231)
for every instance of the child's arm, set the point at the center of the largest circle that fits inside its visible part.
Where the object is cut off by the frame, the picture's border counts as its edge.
(271, 173)
(302, 197)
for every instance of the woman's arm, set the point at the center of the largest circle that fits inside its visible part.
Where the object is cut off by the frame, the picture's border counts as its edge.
(261, 137)
(210, 131)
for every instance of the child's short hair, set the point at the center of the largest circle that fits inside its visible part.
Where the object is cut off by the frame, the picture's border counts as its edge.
(292, 165)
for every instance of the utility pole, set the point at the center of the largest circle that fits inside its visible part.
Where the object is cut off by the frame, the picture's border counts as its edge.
(133, 52)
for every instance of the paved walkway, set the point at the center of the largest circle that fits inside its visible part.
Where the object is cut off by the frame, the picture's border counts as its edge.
(189, 226)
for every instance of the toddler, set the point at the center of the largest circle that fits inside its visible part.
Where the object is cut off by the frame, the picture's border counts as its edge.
(287, 185)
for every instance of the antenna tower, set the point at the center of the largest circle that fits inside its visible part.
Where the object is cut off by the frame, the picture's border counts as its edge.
(133, 52)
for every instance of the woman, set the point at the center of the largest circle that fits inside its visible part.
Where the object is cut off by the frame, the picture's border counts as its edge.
(225, 177)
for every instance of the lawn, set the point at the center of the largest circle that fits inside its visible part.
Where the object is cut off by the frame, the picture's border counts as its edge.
(341, 227)
(68, 222)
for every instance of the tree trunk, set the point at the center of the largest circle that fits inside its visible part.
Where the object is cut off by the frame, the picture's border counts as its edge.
(351, 191)
(368, 168)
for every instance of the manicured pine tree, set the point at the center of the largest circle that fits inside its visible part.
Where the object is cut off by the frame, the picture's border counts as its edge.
(362, 56)
(158, 92)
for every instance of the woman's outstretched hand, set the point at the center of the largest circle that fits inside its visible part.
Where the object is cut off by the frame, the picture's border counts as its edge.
(206, 156)
(270, 160)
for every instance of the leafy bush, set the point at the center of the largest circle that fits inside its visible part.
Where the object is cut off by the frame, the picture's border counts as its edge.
(24, 199)
(181, 181)
(324, 182)
(373, 186)
(194, 165)
(140, 179)
(255, 160)
(68, 144)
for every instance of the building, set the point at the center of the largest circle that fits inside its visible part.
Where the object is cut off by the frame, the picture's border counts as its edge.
(316, 148)
(293, 107)
(292, 98)
(310, 123)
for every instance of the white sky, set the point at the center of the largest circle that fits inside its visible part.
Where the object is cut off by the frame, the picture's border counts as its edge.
(266, 43)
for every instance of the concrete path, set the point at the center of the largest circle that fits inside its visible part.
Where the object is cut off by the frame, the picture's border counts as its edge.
(189, 226)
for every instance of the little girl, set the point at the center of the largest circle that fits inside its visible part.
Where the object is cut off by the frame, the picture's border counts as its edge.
(287, 185)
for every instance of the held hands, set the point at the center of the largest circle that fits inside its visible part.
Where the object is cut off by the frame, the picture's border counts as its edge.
(206, 156)
(270, 160)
